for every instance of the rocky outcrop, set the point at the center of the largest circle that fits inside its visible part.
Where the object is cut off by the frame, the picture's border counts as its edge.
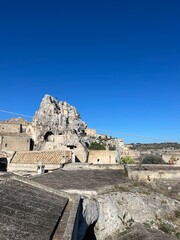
(119, 211)
(88, 217)
(139, 231)
(58, 117)
(58, 123)
(132, 212)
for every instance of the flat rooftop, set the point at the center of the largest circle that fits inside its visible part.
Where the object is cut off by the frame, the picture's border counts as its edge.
(88, 180)
(27, 212)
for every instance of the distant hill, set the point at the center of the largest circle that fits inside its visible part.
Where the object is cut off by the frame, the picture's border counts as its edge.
(155, 146)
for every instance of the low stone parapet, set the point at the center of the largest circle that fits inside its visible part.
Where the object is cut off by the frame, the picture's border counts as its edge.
(151, 172)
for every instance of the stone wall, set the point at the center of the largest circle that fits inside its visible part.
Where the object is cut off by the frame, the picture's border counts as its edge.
(10, 128)
(14, 143)
(90, 166)
(102, 157)
(150, 175)
(30, 168)
(65, 142)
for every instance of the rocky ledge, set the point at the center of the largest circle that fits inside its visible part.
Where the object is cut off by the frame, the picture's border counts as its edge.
(133, 212)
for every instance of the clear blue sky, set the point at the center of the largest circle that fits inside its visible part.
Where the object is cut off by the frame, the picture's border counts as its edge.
(117, 62)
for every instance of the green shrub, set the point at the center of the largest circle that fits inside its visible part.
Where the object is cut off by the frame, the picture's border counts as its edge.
(152, 159)
(167, 227)
(112, 148)
(127, 160)
(97, 146)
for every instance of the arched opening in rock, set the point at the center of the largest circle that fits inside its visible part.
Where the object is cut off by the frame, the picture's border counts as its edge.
(48, 136)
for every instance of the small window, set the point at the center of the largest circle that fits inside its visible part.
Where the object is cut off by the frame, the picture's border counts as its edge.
(5, 144)
(98, 160)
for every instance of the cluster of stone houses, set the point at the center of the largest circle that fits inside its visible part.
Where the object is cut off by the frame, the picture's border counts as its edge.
(55, 137)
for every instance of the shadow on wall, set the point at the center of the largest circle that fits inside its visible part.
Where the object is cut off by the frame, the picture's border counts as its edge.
(90, 233)
(77, 159)
(3, 164)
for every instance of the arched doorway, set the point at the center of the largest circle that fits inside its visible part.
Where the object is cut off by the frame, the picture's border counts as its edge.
(48, 137)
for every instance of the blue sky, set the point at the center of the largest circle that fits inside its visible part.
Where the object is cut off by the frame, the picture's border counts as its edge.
(117, 62)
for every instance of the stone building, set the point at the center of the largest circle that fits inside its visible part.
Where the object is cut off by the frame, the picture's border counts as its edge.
(14, 142)
(38, 161)
(13, 135)
(90, 131)
(102, 157)
(56, 126)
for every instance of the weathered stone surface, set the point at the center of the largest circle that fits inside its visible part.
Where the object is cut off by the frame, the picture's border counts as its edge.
(140, 232)
(170, 187)
(87, 216)
(58, 117)
(57, 125)
(90, 210)
(84, 180)
(27, 212)
(120, 210)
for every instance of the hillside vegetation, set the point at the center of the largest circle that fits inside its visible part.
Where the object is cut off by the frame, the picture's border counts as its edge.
(155, 146)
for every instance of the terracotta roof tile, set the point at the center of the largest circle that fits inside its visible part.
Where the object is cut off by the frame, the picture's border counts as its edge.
(45, 157)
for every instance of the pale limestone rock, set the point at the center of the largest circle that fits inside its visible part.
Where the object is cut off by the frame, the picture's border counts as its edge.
(89, 215)
(90, 210)
(58, 117)
(118, 211)
(56, 125)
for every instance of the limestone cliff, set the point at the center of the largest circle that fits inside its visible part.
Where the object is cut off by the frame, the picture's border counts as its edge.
(56, 125)
(58, 117)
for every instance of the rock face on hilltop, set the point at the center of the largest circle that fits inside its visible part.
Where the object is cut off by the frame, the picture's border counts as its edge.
(58, 117)
(57, 125)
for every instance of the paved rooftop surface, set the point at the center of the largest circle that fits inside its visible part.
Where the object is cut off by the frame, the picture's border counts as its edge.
(81, 179)
(27, 212)
(45, 157)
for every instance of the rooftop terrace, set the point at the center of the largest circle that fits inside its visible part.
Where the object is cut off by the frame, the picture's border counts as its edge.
(87, 180)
